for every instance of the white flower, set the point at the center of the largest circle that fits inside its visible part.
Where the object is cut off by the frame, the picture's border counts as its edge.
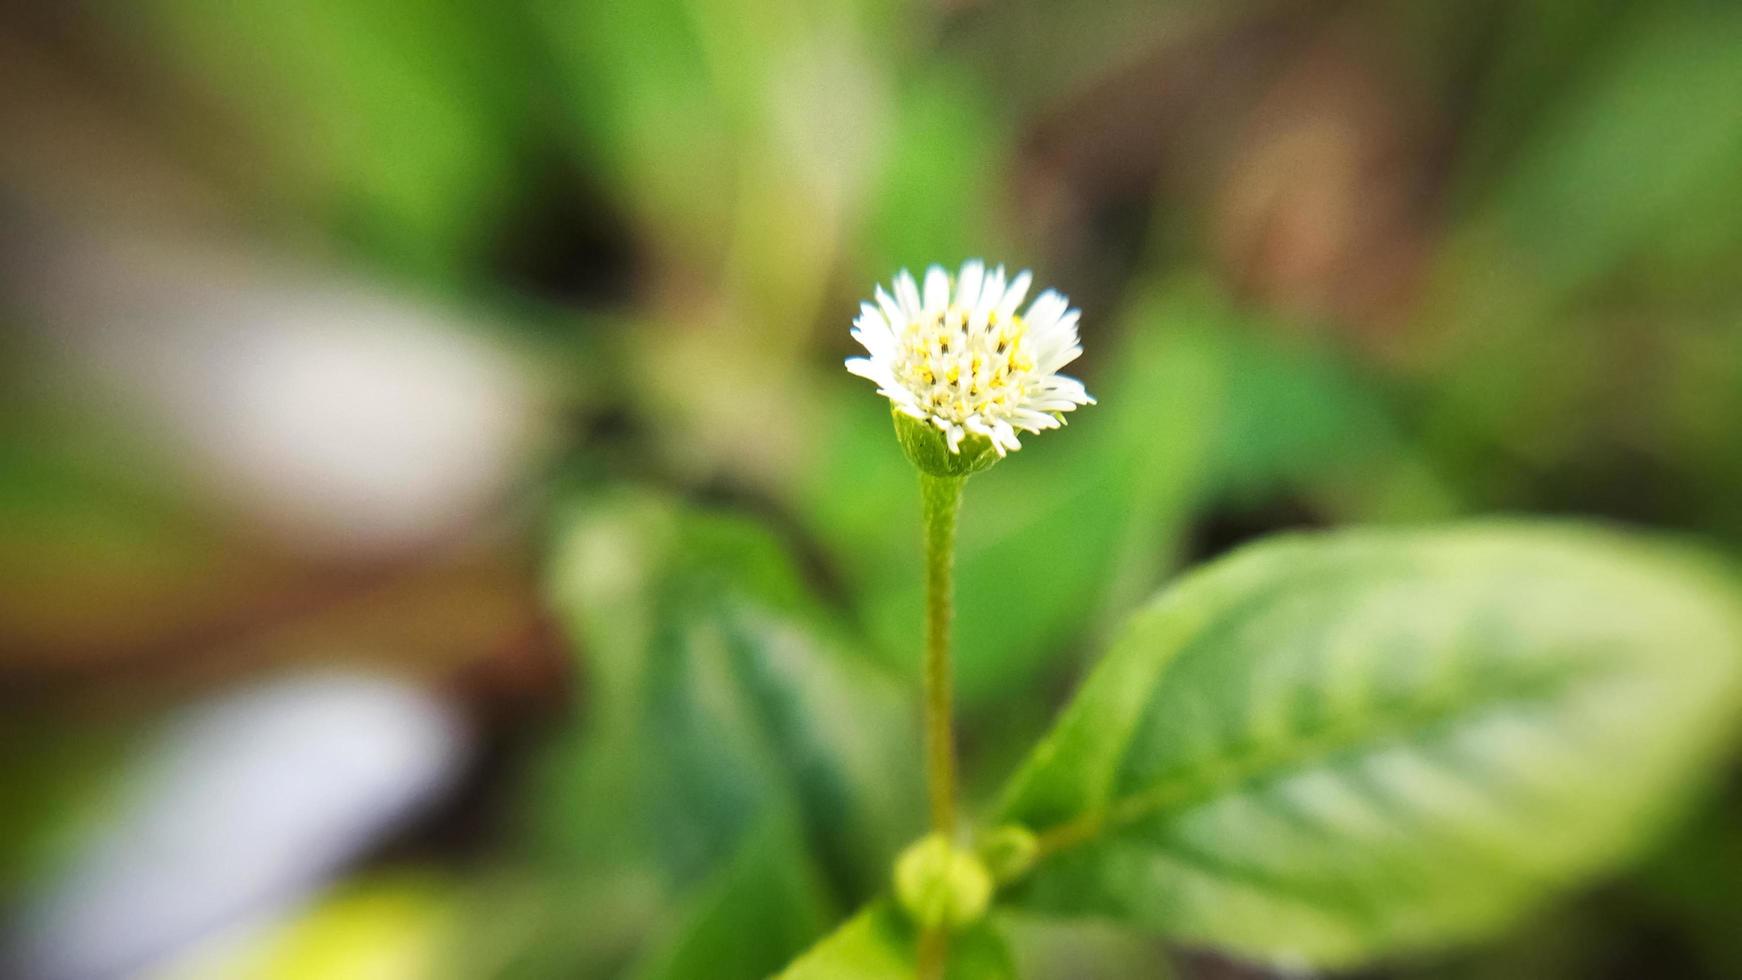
(960, 357)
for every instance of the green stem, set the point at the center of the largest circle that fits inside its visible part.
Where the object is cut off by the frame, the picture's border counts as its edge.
(943, 501)
(934, 954)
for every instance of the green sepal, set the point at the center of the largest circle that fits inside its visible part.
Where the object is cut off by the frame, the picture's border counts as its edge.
(930, 451)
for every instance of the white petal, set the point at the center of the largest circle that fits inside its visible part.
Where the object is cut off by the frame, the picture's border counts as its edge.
(990, 293)
(1014, 294)
(903, 401)
(1051, 361)
(1056, 345)
(1059, 394)
(879, 373)
(1043, 314)
(1033, 421)
(870, 317)
(937, 289)
(968, 284)
(891, 310)
(872, 332)
(908, 293)
(1067, 324)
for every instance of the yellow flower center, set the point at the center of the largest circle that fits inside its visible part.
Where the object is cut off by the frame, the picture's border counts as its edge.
(957, 369)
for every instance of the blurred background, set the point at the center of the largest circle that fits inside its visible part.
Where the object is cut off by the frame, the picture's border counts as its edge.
(438, 537)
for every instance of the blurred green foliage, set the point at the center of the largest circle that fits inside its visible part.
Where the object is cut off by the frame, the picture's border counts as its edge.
(696, 192)
(878, 944)
(725, 720)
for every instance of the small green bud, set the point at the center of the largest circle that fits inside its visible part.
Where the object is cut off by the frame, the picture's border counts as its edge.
(941, 885)
(930, 451)
(1008, 852)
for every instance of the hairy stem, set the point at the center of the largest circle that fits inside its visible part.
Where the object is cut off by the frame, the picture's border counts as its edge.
(943, 501)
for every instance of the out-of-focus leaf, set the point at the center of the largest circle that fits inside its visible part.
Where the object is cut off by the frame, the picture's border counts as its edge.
(386, 929)
(392, 118)
(720, 701)
(945, 141)
(880, 944)
(525, 923)
(1594, 169)
(56, 780)
(1032, 51)
(1535, 52)
(741, 142)
(747, 920)
(783, 100)
(1297, 414)
(1693, 882)
(1639, 154)
(647, 109)
(1701, 398)
(1334, 747)
(1049, 948)
(99, 552)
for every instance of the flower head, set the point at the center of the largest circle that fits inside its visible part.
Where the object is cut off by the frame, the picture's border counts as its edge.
(958, 356)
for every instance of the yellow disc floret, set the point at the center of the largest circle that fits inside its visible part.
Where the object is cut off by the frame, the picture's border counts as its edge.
(958, 369)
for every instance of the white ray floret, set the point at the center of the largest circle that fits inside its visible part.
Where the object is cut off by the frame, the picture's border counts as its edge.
(957, 354)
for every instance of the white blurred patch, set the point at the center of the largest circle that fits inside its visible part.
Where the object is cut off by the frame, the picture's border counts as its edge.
(339, 418)
(243, 808)
(357, 421)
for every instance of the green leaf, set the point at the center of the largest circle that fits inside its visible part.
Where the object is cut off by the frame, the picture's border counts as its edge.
(879, 944)
(720, 702)
(746, 922)
(1332, 747)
